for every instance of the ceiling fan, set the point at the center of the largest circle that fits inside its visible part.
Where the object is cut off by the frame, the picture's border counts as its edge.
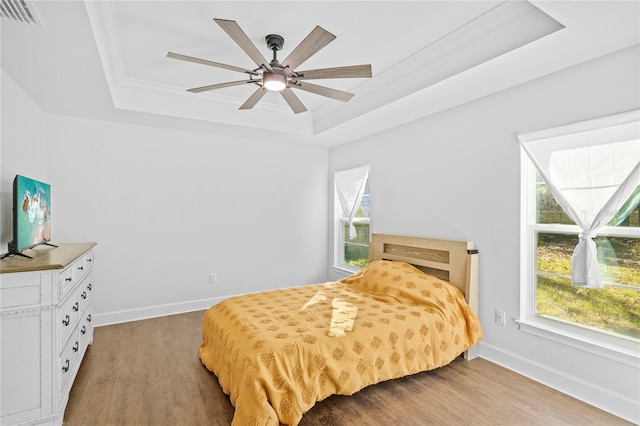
(278, 76)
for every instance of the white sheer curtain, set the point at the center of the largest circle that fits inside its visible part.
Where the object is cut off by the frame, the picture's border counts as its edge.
(591, 169)
(350, 185)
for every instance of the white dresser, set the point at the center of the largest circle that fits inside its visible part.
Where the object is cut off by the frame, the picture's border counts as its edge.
(45, 329)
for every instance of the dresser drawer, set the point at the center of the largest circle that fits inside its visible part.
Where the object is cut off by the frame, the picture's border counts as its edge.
(83, 266)
(85, 328)
(68, 316)
(88, 261)
(66, 280)
(84, 293)
(69, 358)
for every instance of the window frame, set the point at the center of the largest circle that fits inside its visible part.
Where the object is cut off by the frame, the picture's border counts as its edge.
(339, 221)
(619, 348)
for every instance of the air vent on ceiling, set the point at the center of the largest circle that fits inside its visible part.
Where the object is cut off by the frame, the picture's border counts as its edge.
(20, 11)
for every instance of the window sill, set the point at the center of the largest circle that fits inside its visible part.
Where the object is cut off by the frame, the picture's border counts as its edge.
(343, 270)
(620, 349)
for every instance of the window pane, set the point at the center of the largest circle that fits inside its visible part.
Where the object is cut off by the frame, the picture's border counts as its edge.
(365, 208)
(547, 208)
(549, 211)
(619, 260)
(356, 251)
(612, 308)
(629, 213)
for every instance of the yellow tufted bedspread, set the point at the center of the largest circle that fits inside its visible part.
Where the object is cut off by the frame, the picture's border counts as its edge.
(277, 353)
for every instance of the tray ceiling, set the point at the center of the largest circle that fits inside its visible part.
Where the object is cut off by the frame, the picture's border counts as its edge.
(426, 56)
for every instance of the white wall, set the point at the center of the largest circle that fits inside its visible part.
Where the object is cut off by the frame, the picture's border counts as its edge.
(169, 207)
(456, 175)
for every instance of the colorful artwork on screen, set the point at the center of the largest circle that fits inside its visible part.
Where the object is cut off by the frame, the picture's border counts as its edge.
(34, 214)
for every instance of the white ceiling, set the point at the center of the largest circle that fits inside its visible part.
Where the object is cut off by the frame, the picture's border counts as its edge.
(107, 59)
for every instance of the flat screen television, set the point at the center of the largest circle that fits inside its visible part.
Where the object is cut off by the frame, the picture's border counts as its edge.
(31, 214)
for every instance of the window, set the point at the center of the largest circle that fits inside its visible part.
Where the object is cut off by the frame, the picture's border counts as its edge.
(352, 218)
(567, 187)
(615, 307)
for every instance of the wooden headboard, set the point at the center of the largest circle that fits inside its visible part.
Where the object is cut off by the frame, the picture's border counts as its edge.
(453, 261)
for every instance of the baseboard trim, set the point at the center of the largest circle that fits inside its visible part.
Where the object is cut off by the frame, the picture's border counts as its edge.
(138, 314)
(619, 405)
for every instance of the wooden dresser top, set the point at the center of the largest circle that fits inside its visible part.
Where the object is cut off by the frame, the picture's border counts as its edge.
(45, 257)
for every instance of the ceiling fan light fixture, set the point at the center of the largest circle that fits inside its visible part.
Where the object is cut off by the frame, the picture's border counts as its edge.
(274, 76)
(274, 81)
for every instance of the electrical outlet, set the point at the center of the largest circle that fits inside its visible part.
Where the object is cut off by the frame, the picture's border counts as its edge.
(213, 278)
(500, 317)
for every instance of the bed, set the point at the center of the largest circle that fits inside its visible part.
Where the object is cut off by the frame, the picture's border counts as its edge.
(410, 309)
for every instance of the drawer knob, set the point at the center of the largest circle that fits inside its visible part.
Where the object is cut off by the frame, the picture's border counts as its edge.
(76, 347)
(89, 287)
(80, 268)
(66, 320)
(83, 330)
(68, 279)
(84, 295)
(89, 260)
(89, 318)
(76, 306)
(65, 367)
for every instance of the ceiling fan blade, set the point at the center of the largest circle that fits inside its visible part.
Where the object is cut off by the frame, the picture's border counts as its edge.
(220, 86)
(293, 101)
(324, 91)
(235, 32)
(253, 99)
(312, 43)
(352, 71)
(210, 63)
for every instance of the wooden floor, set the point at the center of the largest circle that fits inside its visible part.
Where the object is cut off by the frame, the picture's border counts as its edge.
(148, 373)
